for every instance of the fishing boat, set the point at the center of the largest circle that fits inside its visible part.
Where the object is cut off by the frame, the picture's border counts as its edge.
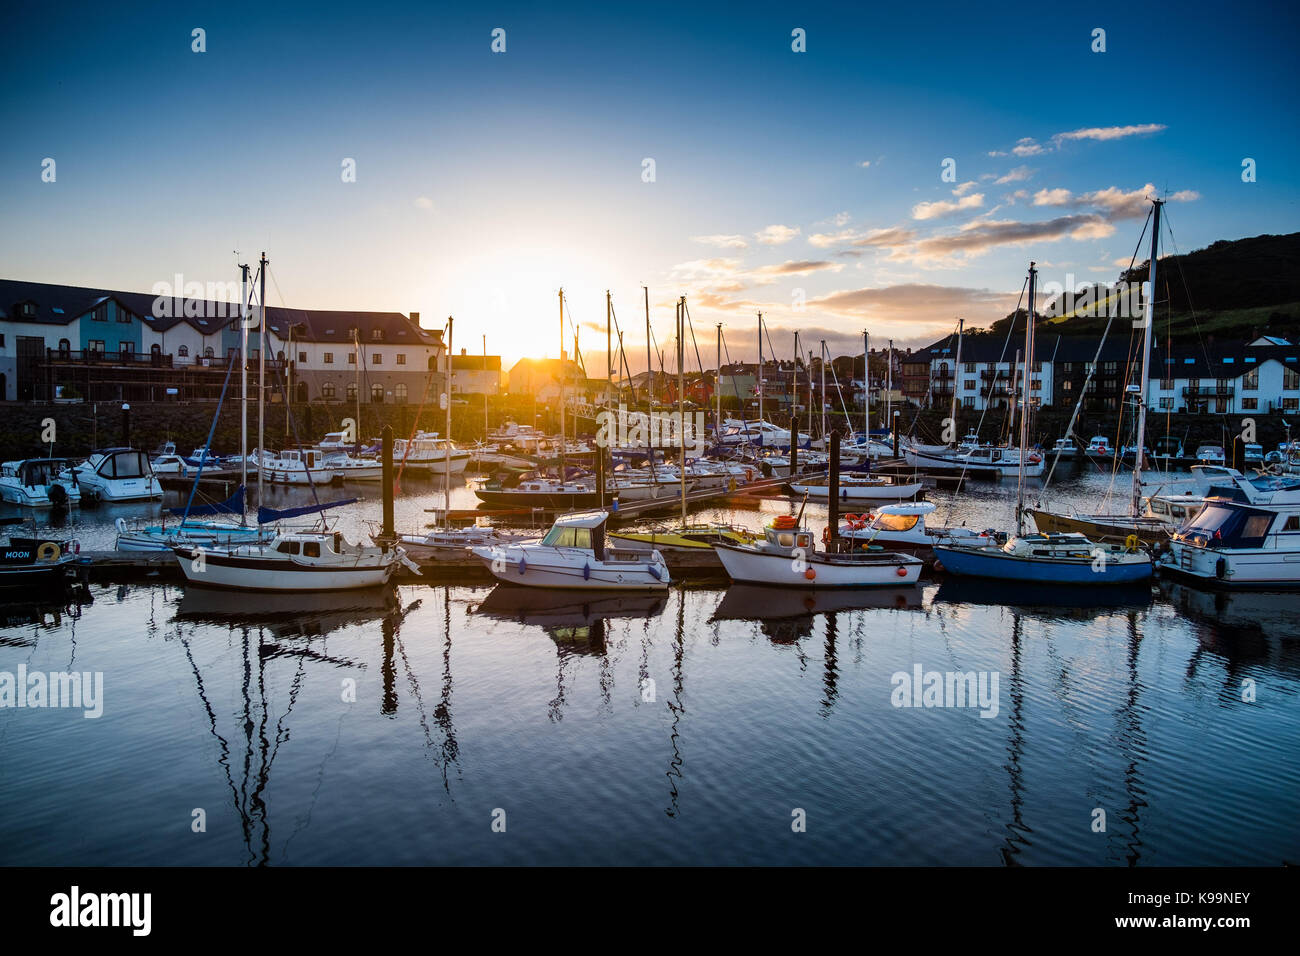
(1065, 448)
(1099, 446)
(295, 466)
(858, 488)
(34, 560)
(1246, 536)
(788, 557)
(38, 483)
(575, 554)
(291, 561)
(902, 527)
(116, 474)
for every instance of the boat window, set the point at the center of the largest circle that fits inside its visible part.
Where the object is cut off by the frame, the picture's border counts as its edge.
(1159, 507)
(785, 539)
(895, 522)
(1177, 511)
(1292, 523)
(311, 549)
(128, 464)
(288, 547)
(560, 538)
(803, 541)
(1226, 526)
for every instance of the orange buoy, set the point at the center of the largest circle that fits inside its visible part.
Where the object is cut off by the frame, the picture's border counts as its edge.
(826, 535)
(810, 574)
(902, 572)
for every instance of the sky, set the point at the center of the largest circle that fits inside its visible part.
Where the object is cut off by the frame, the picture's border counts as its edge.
(897, 173)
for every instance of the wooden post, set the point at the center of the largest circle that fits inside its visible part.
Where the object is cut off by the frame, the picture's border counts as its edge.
(387, 534)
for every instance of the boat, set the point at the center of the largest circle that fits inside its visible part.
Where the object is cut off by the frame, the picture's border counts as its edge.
(343, 465)
(858, 488)
(116, 474)
(575, 554)
(788, 557)
(1211, 455)
(291, 561)
(1246, 536)
(1168, 448)
(989, 461)
(38, 483)
(295, 466)
(1069, 558)
(35, 560)
(902, 527)
(1252, 453)
(427, 452)
(1064, 448)
(1099, 446)
(700, 537)
(1161, 516)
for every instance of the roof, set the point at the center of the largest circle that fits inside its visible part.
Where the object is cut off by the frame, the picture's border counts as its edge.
(59, 305)
(582, 519)
(476, 363)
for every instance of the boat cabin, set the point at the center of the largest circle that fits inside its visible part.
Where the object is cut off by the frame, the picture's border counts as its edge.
(122, 463)
(584, 531)
(34, 472)
(310, 545)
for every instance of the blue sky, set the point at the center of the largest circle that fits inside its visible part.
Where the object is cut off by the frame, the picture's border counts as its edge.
(485, 181)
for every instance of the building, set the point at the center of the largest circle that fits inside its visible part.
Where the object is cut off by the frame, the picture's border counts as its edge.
(475, 374)
(545, 378)
(68, 342)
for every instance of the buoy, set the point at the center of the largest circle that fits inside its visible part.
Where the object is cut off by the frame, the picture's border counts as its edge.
(586, 572)
(523, 565)
(901, 572)
(1131, 543)
(810, 574)
(48, 551)
(850, 518)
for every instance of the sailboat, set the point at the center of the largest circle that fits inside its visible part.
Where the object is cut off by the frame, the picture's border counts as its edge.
(1137, 525)
(1056, 558)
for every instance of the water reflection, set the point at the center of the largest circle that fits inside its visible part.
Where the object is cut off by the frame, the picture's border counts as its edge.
(1044, 601)
(39, 609)
(787, 615)
(1242, 627)
(575, 620)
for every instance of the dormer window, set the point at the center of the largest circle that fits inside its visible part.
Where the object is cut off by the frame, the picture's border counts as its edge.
(27, 309)
(377, 335)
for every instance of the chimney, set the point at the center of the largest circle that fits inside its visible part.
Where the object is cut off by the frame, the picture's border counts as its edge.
(415, 317)
(462, 351)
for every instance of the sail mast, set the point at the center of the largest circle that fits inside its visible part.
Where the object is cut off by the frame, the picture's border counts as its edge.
(717, 387)
(760, 378)
(261, 378)
(823, 390)
(446, 441)
(1024, 400)
(561, 367)
(1148, 322)
(956, 371)
(681, 398)
(866, 389)
(243, 387)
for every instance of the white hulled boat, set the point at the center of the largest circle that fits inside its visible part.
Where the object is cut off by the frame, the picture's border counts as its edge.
(575, 554)
(38, 483)
(116, 474)
(295, 466)
(291, 561)
(858, 488)
(902, 527)
(788, 557)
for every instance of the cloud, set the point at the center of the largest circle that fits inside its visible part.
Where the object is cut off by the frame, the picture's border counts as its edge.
(775, 235)
(1051, 197)
(864, 164)
(964, 188)
(722, 242)
(917, 302)
(872, 237)
(1017, 175)
(423, 202)
(706, 269)
(976, 238)
(1105, 133)
(941, 207)
(840, 219)
(795, 267)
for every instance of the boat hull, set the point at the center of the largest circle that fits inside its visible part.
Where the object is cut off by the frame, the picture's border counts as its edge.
(1108, 528)
(860, 492)
(753, 566)
(995, 563)
(535, 567)
(1242, 569)
(258, 574)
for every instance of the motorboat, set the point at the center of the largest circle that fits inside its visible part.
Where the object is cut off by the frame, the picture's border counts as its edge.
(1167, 448)
(427, 452)
(700, 537)
(1246, 536)
(116, 474)
(1069, 558)
(1064, 448)
(1099, 446)
(1252, 453)
(1161, 516)
(35, 560)
(344, 466)
(296, 466)
(575, 554)
(990, 461)
(291, 561)
(38, 483)
(788, 557)
(858, 488)
(445, 541)
(1211, 455)
(902, 527)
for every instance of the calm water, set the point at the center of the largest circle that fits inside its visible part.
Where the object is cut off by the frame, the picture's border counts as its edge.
(470, 700)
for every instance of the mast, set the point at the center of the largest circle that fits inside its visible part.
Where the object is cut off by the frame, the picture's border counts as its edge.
(243, 387)
(561, 367)
(1148, 320)
(681, 398)
(261, 377)
(889, 388)
(823, 383)
(485, 390)
(1024, 400)
(446, 441)
(717, 388)
(649, 363)
(866, 390)
(956, 373)
(760, 378)
(356, 344)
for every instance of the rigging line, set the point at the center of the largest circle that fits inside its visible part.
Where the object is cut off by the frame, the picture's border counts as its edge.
(929, 388)
(1096, 359)
(689, 325)
(985, 410)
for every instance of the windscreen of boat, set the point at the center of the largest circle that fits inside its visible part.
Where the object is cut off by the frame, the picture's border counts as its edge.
(126, 464)
(42, 472)
(568, 538)
(1226, 526)
(885, 522)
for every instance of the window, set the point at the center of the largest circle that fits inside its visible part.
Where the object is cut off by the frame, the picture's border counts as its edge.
(302, 358)
(288, 547)
(574, 538)
(969, 366)
(401, 358)
(123, 316)
(352, 358)
(377, 335)
(399, 392)
(1166, 384)
(100, 314)
(27, 309)
(183, 351)
(1250, 381)
(1111, 367)
(1249, 404)
(377, 359)
(125, 349)
(1166, 404)
(327, 391)
(1193, 384)
(1067, 386)
(969, 385)
(65, 348)
(311, 549)
(1038, 366)
(208, 353)
(968, 402)
(1067, 367)
(1036, 385)
(377, 394)
(96, 346)
(352, 391)
(327, 358)
(1290, 404)
(1290, 379)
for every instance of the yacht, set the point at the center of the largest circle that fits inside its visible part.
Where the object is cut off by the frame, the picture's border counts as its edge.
(344, 466)
(1211, 455)
(116, 474)
(38, 483)
(296, 466)
(1246, 536)
(991, 461)
(1068, 558)
(902, 527)
(37, 560)
(575, 554)
(427, 452)
(787, 557)
(858, 488)
(291, 561)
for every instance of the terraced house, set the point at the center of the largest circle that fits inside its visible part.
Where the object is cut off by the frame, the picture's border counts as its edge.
(69, 343)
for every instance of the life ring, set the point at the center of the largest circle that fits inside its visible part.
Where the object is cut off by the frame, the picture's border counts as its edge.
(48, 551)
(851, 519)
(826, 535)
(1131, 543)
(749, 474)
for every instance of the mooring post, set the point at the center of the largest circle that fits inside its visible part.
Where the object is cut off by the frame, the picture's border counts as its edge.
(893, 427)
(126, 425)
(388, 536)
(833, 486)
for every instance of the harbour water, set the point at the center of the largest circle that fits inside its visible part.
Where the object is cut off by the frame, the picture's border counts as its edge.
(462, 724)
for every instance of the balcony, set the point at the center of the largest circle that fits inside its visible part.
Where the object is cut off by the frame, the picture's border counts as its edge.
(989, 374)
(1209, 391)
